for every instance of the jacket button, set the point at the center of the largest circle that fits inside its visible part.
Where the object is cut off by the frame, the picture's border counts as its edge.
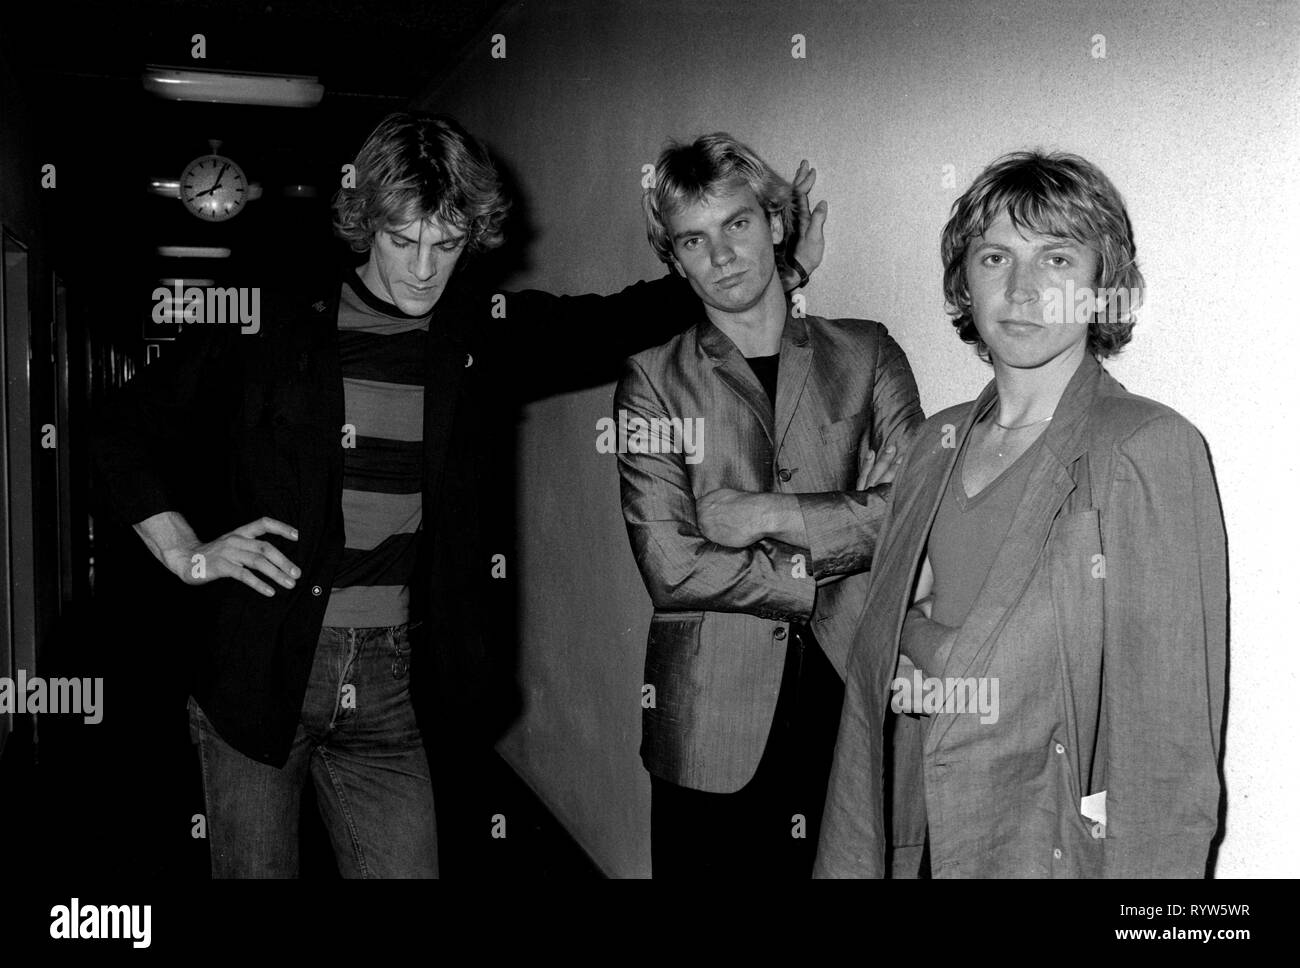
(785, 475)
(1057, 853)
(315, 589)
(1060, 748)
(779, 634)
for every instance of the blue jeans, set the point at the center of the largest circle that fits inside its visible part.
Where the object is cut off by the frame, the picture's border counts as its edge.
(359, 741)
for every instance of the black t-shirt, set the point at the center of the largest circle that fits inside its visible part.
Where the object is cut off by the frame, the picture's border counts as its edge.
(765, 368)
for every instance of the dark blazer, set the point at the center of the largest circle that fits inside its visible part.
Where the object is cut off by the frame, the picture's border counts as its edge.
(722, 615)
(270, 408)
(1104, 619)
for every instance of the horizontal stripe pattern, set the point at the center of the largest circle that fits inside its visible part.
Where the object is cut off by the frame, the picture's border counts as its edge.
(364, 606)
(370, 517)
(381, 352)
(387, 466)
(374, 357)
(391, 562)
(384, 410)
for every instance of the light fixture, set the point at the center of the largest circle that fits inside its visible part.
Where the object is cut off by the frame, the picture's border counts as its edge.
(193, 252)
(171, 188)
(225, 87)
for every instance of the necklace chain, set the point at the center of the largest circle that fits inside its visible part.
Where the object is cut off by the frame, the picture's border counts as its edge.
(1034, 423)
(1003, 426)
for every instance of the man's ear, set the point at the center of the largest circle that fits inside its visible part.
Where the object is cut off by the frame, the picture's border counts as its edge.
(778, 229)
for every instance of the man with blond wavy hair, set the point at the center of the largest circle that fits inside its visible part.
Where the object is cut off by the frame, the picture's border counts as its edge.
(754, 548)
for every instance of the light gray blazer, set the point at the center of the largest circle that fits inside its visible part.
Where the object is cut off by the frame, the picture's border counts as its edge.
(1104, 620)
(721, 615)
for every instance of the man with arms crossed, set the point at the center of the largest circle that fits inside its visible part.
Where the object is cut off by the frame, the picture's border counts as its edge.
(754, 547)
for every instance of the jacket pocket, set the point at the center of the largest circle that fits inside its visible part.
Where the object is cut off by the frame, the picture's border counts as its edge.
(670, 692)
(1081, 851)
(847, 428)
(676, 633)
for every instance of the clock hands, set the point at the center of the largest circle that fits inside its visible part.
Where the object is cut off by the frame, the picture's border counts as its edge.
(216, 184)
(220, 199)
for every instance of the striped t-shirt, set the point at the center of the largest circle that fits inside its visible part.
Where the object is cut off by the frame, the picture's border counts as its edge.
(381, 350)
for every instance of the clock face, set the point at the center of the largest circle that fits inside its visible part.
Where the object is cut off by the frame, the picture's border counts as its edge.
(214, 188)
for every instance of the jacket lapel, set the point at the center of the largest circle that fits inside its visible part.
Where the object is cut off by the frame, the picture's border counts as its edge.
(792, 374)
(735, 373)
(1049, 484)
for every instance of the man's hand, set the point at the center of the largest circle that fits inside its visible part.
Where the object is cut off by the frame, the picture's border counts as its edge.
(809, 240)
(239, 555)
(871, 471)
(924, 641)
(731, 518)
(738, 519)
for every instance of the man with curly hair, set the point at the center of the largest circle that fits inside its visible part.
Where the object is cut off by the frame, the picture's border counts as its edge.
(362, 462)
(1047, 618)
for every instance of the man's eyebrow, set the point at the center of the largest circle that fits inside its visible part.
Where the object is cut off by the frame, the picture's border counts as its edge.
(1050, 243)
(745, 209)
(449, 239)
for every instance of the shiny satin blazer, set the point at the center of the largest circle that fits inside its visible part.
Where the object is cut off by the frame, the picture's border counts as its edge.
(721, 622)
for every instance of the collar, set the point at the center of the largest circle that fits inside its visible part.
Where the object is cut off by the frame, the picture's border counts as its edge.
(1066, 435)
(352, 278)
(718, 346)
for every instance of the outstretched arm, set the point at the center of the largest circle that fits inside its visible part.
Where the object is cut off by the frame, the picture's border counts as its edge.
(573, 342)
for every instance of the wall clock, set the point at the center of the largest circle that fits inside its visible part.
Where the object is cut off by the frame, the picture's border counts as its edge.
(214, 188)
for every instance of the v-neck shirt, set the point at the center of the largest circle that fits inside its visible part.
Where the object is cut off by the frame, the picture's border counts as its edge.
(968, 532)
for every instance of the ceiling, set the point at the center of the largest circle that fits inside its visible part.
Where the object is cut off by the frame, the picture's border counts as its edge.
(390, 48)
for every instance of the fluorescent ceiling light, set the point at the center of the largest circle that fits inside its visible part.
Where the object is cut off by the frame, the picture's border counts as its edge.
(273, 90)
(171, 188)
(193, 252)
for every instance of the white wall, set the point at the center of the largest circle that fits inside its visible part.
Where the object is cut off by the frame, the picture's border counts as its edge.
(1192, 113)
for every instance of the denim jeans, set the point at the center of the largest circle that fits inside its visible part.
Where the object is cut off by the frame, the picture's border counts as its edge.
(359, 741)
